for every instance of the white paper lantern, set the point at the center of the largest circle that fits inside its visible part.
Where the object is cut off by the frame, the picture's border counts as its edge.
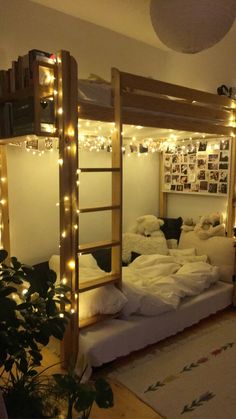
(191, 26)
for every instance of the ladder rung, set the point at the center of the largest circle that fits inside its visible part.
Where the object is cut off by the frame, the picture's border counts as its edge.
(99, 169)
(108, 208)
(88, 247)
(98, 282)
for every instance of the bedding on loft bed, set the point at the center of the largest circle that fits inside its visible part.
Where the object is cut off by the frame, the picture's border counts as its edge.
(161, 295)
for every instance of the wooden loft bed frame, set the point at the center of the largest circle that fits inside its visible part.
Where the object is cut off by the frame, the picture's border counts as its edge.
(136, 100)
(143, 101)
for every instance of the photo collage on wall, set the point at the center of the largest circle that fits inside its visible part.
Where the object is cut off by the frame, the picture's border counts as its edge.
(198, 167)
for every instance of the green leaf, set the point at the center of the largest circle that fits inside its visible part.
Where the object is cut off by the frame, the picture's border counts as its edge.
(7, 309)
(3, 255)
(7, 291)
(104, 395)
(16, 264)
(51, 308)
(51, 276)
(23, 365)
(85, 397)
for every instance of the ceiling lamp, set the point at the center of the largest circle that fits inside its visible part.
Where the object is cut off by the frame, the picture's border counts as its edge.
(190, 26)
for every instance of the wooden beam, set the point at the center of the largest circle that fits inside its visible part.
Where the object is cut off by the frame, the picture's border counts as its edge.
(117, 178)
(5, 228)
(67, 110)
(176, 107)
(131, 81)
(230, 219)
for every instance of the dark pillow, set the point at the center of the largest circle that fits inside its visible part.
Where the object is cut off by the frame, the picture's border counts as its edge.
(172, 228)
(103, 258)
(134, 255)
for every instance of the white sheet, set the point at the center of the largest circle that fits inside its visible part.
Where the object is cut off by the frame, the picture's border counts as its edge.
(111, 339)
(155, 284)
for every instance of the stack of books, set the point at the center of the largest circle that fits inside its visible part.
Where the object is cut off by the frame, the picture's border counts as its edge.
(17, 116)
(20, 75)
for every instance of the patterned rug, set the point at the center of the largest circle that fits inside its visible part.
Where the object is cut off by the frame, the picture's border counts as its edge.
(194, 377)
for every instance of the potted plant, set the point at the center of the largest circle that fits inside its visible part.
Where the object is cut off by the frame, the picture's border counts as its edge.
(30, 314)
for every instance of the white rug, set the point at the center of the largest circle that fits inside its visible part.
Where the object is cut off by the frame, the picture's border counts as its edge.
(194, 377)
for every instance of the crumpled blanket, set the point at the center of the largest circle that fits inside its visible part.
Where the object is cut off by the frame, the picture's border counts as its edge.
(155, 284)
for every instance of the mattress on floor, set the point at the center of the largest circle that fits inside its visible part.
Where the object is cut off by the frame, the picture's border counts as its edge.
(113, 338)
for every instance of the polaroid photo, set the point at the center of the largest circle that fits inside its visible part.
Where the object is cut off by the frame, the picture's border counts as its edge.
(224, 166)
(213, 166)
(212, 188)
(213, 176)
(201, 163)
(224, 156)
(167, 178)
(213, 158)
(179, 188)
(183, 179)
(223, 176)
(184, 169)
(224, 144)
(201, 175)
(202, 146)
(175, 179)
(222, 188)
(203, 185)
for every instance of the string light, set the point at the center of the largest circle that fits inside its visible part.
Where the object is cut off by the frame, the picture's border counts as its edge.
(71, 264)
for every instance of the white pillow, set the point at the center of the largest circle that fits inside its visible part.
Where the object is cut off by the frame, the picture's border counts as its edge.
(220, 251)
(103, 300)
(183, 252)
(85, 261)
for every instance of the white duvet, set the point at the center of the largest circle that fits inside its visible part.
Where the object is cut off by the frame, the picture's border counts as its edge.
(154, 284)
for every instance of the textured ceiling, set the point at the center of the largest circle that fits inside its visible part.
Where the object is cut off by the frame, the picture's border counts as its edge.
(127, 17)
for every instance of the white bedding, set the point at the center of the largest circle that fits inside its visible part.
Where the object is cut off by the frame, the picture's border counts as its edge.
(155, 284)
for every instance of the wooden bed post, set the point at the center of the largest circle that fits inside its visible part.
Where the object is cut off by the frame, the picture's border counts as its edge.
(117, 162)
(5, 230)
(162, 212)
(232, 192)
(67, 113)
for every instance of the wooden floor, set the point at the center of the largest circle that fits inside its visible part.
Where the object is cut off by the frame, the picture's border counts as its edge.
(126, 404)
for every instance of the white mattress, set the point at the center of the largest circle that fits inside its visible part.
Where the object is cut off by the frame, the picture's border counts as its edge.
(111, 339)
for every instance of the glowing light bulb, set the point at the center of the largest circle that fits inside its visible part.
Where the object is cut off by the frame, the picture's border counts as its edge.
(71, 264)
(60, 162)
(61, 315)
(64, 281)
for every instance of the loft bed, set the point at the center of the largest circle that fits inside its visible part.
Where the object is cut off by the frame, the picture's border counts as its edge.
(142, 101)
(139, 101)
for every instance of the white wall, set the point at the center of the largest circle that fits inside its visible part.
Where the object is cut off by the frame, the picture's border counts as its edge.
(26, 25)
(33, 187)
(34, 192)
(192, 206)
